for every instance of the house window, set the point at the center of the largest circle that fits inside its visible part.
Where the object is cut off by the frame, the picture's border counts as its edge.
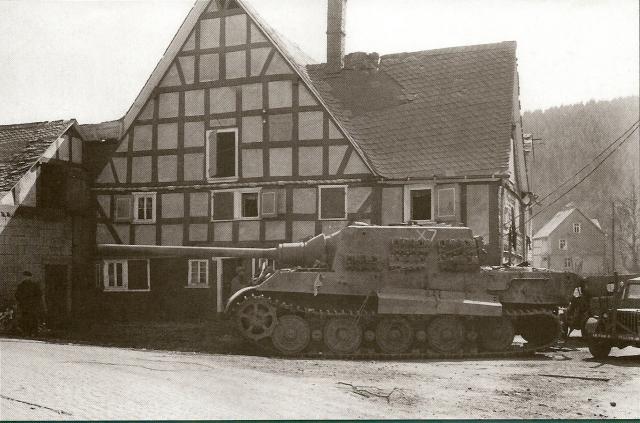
(115, 275)
(126, 275)
(123, 208)
(563, 244)
(577, 228)
(332, 202)
(222, 154)
(198, 274)
(144, 206)
(568, 262)
(249, 205)
(238, 204)
(418, 203)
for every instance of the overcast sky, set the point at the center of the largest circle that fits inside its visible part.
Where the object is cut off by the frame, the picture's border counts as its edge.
(89, 59)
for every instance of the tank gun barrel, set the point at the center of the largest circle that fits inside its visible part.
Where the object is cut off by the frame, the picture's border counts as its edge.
(118, 250)
(312, 253)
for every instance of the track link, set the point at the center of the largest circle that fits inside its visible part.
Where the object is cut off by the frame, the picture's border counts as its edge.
(318, 317)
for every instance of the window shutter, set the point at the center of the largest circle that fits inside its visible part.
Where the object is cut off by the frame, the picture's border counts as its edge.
(212, 161)
(223, 206)
(269, 203)
(138, 278)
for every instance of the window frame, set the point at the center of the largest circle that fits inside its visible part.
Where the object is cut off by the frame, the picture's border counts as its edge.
(125, 276)
(208, 156)
(407, 202)
(190, 273)
(136, 197)
(578, 226)
(566, 244)
(568, 260)
(346, 202)
(237, 204)
(238, 209)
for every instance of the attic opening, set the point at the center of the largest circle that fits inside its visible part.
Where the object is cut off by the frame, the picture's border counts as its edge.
(227, 4)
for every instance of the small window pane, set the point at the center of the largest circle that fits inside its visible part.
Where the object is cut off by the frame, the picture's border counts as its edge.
(332, 202)
(250, 204)
(118, 274)
(421, 204)
(226, 154)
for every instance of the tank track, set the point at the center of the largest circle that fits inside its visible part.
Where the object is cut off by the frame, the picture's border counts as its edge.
(283, 307)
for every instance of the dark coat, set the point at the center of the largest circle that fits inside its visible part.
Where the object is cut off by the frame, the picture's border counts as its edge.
(29, 295)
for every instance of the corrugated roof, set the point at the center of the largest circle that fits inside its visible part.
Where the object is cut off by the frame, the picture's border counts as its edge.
(22, 145)
(445, 112)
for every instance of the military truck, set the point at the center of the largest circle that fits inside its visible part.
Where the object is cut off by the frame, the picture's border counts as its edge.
(617, 323)
(388, 290)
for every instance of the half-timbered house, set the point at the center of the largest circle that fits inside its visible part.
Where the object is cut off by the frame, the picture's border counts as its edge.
(238, 139)
(43, 213)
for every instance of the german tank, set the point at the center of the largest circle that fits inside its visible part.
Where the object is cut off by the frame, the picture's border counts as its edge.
(389, 291)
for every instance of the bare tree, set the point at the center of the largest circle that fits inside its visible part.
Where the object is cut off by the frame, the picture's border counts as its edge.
(628, 230)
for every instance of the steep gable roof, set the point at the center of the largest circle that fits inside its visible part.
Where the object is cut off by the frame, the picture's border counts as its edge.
(445, 112)
(560, 217)
(22, 145)
(291, 53)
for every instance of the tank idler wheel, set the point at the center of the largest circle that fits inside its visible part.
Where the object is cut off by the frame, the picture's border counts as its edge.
(342, 335)
(256, 318)
(540, 330)
(291, 334)
(445, 334)
(394, 335)
(496, 334)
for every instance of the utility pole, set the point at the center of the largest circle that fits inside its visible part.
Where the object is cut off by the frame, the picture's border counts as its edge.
(613, 235)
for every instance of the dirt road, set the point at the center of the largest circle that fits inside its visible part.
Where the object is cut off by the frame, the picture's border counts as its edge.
(52, 381)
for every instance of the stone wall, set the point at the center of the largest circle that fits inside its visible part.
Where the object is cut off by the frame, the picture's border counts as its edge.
(29, 239)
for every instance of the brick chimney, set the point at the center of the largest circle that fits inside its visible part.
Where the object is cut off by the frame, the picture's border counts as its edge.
(335, 34)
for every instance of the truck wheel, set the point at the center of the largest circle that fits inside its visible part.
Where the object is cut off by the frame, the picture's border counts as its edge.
(599, 350)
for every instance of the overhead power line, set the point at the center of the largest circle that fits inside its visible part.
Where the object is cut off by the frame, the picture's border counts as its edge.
(632, 128)
(627, 137)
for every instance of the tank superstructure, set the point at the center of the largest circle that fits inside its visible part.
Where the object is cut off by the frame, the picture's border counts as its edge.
(391, 289)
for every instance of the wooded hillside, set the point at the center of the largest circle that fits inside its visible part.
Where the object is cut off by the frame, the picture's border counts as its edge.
(571, 137)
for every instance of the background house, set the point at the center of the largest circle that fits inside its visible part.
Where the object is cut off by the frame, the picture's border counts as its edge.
(571, 241)
(43, 200)
(238, 140)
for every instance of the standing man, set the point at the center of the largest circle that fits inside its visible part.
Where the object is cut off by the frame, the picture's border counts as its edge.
(239, 281)
(29, 297)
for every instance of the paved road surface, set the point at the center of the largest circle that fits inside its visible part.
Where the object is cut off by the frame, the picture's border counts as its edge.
(52, 381)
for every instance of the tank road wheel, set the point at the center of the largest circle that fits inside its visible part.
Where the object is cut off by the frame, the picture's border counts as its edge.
(496, 334)
(394, 335)
(256, 318)
(445, 334)
(291, 334)
(540, 330)
(342, 335)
